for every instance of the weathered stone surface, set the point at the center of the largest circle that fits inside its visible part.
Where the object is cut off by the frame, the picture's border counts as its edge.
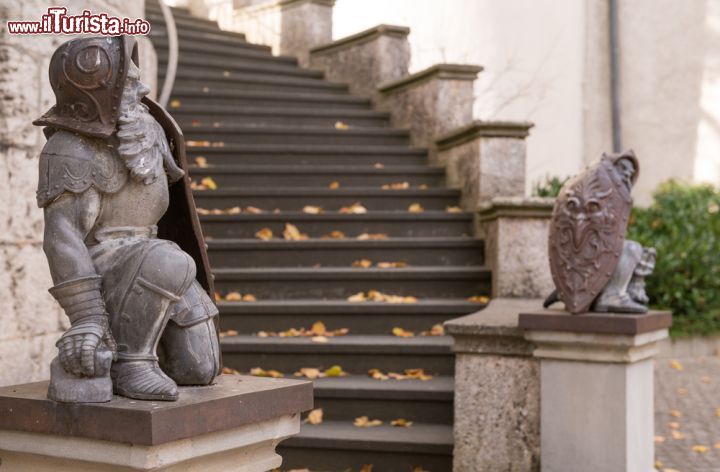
(516, 232)
(366, 59)
(67, 388)
(431, 102)
(27, 359)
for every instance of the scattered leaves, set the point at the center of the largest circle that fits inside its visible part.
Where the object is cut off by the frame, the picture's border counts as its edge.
(219, 211)
(335, 371)
(253, 210)
(265, 234)
(366, 468)
(379, 165)
(677, 434)
(226, 73)
(175, 103)
(339, 125)
(354, 209)
(309, 372)
(205, 89)
(317, 329)
(390, 265)
(358, 297)
(334, 235)
(230, 371)
(408, 374)
(478, 299)
(402, 333)
(292, 233)
(397, 186)
(659, 439)
(363, 263)
(315, 416)
(700, 448)
(192, 143)
(675, 413)
(206, 183)
(376, 296)
(200, 161)
(717, 412)
(436, 330)
(705, 379)
(365, 422)
(401, 422)
(233, 297)
(312, 210)
(260, 372)
(453, 209)
(334, 185)
(371, 236)
(229, 332)
(675, 364)
(319, 339)
(416, 208)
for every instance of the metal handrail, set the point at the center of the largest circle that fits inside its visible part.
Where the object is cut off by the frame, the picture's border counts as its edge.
(172, 54)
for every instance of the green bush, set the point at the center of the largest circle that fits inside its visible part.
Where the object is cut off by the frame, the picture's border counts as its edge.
(549, 188)
(683, 224)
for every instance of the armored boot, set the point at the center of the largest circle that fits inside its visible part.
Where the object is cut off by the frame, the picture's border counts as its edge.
(615, 296)
(164, 274)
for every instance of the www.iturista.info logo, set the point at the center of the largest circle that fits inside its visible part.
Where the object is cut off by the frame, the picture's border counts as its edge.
(57, 21)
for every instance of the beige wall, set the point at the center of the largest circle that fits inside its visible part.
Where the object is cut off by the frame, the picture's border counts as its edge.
(547, 61)
(30, 320)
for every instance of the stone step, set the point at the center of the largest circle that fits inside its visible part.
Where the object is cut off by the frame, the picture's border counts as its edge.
(336, 446)
(157, 22)
(352, 396)
(320, 175)
(227, 68)
(273, 283)
(308, 154)
(330, 200)
(220, 38)
(343, 252)
(318, 135)
(355, 354)
(388, 223)
(260, 98)
(359, 318)
(200, 81)
(283, 116)
(197, 51)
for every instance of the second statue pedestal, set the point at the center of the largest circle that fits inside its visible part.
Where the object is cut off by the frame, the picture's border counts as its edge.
(233, 425)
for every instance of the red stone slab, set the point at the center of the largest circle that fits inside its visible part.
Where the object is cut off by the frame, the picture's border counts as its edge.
(231, 402)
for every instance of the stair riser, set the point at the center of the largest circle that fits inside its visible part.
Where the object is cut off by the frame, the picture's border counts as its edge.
(248, 180)
(329, 204)
(218, 69)
(308, 103)
(250, 58)
(316, 229)
(293, 138)
(217, 84)
(184, 24)
(185, 118)
(216, 156)
(343, 459)
(343, 288)
(197, 48)
(344, 256)
(347, 409)
(357, 323)
(190, 37)
(360, 363)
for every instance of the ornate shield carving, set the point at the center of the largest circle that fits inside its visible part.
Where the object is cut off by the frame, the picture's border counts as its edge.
(588, 229)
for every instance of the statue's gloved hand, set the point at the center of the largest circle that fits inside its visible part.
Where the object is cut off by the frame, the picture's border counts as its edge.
(79, 345)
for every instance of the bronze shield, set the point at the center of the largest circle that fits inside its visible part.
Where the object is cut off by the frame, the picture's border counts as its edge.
(587, 233)
(180, 223)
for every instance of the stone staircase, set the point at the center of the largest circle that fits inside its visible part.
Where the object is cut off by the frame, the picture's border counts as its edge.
(278, 137)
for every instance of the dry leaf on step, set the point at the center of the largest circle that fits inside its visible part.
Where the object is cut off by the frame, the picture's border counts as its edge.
(292, 233)
(365, 422)
(233, 297)
(339, 125)
(334, 185)
(402, 333)
(364, 263)
(402, 422)
(312, 210)
(354, 209)
(265, 234)
(416, 208)
(230, 371)
(315, 416)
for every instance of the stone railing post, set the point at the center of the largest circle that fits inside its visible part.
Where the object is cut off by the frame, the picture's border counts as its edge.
(596, 386)
(430, 102)
(484, 159)
(366, 59)
(290, 27)
(234, 424)
(497, 391)
(515, 230)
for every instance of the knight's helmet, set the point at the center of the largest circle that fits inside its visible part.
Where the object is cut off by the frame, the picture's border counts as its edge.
(87, 76)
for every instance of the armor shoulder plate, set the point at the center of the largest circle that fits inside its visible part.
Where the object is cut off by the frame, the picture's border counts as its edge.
(73, 163)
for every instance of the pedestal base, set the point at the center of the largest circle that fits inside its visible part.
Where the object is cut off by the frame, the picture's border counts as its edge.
(233, 425)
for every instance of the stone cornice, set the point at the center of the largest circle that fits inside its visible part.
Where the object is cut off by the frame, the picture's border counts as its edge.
(484, 129)
(438, 71)
(361, 38)
(255, 9)
(516, 207)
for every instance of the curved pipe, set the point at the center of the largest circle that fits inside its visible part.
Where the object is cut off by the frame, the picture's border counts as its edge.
(172, 54)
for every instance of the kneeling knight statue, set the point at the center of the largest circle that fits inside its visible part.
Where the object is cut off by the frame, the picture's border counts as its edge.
(592, 264)
(122, 237)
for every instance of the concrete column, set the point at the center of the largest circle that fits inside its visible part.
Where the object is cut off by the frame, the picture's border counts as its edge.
(485, 159)
(430, 102)
(290, 27)
(366, 59)
(596, 385)
(497, 390)
(515, 231)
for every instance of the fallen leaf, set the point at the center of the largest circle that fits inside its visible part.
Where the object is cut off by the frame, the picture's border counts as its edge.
(378, 165)
(315, 416)
(675, 364)
(365, 422)
(682, 391)
(423, 186)
(233, 297)
(339, 125)
(265, 234)
(252, 210)
(335, 371)
(358, 297)
(417, 374)
(390, 265)
(202, 211)
(230, 371)
(292, 233)
(366, 468)
(674, 425)
(205, 89)
(354, 209)
(659, 439)
(717, 445)
(667, 469)
(195, 123)
(371, 236)
(677, 434)
(318, 328)
(226, 73)
(700, 449)
(234, 211)
(319, 339)
(218, 144)
(364, 263)
(260, 372)
(174, 103)
(377, 374)
(334, 235)
(401, 422)
(705, 379)
(309, 372)
(191, 143)
(416, 208)
(201, 161)
(717, 412)
(397, 186)
(334, 185)
(436, 330)
(658, 464)
(419, 469)
(453, 209)
(312, 210)
(209, 183)
(248, 297)
(478, 299)
(230, 332)
(401, 333)
(675, 413)
(216, 124)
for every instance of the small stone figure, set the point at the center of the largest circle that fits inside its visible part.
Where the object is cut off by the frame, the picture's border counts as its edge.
(593, 266)
(122, 237)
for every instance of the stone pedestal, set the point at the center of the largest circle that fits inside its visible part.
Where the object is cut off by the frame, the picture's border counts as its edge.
(232, 425)
(515, 231)
(430, 102)
(366, 59)
(497, 390)
(596, 385)
(485, 159)
(290, 27)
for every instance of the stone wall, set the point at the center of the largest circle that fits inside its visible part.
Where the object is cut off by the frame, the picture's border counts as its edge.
(30, 320)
